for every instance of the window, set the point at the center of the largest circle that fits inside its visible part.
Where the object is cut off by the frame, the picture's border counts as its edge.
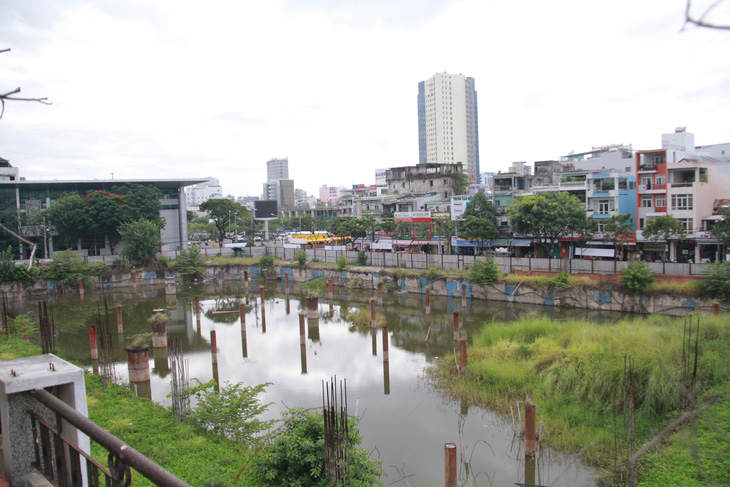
(646, 202)
(682, 202)
(687, 224)
(430, 183)
(601, 227)
(646, 181)
(661, 179)
(603, 206)
(661, 201)
(641, 223)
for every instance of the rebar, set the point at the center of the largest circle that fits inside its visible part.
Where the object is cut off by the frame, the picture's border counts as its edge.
(336, 432)
(180, 381)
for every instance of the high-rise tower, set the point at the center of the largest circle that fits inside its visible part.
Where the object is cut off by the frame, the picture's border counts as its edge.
(448, 129)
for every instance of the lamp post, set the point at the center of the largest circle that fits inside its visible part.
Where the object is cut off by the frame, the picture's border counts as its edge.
(235, 227)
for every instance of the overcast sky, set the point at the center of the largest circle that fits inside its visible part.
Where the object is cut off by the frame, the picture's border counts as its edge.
(181, 89)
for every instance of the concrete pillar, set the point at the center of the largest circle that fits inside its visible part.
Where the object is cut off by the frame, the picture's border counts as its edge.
(450, 465)
(120, 327)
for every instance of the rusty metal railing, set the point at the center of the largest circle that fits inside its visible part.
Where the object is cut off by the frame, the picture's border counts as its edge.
(63, 463)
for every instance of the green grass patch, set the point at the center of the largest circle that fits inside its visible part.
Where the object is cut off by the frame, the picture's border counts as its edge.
(12, 348)
(573, 371)
(191, 453)
(686, 288)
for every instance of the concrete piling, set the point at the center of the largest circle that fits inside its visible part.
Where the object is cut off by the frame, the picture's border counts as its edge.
(138, 364)
(242, 311)
(92, 341)
(530, 437)
(428, 301)
(450, 465)
(197, 306)
(456, 326)
(374, 335)
(81, 286)
(373, 321)
(380, 293)
(120, 326)
(214, 359)
(159, 329)
(330, 291)
(286, 282)
(463, 295)
(386, 357)
(715, 308)
(463, 357)
(302, 330)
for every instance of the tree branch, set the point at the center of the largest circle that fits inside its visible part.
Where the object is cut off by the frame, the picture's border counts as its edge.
(701, 22)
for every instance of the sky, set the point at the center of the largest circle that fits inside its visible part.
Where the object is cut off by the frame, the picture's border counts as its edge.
(180, 89)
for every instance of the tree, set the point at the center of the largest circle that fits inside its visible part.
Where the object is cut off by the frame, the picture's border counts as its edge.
(221, 211)
(666, 228)
(618, 230)
(67, 217)
(481, 207)
(190, 264)
(445, 227)
(306, 223)
(460, 183)
(479, 230)
(548, 217)
(141, 239)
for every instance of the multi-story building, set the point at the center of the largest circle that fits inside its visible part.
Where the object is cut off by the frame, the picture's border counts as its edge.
(422, 178)
(200, 193)
(448, 129)
(687, 183)
(328, 195)
(277, 168)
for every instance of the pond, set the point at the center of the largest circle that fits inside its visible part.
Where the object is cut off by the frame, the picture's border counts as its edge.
(403, 420)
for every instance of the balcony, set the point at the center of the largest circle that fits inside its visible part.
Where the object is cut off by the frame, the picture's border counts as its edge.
(682, 185)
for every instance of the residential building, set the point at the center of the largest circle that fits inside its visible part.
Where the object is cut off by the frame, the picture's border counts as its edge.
(422, 178)
(7, 171)
(448, 128)
(200, 193)
(328, 195)
(687, 183)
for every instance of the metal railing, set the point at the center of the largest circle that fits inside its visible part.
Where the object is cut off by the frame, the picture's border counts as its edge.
(63, 463)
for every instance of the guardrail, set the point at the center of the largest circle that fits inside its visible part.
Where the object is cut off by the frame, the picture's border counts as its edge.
(65, 465)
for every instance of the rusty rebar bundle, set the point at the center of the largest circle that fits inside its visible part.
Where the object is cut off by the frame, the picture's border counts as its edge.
(180, 381)
(336, 432)
(47, 328)
(107, 371)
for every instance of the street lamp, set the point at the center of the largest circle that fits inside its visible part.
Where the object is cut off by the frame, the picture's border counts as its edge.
(235, 227)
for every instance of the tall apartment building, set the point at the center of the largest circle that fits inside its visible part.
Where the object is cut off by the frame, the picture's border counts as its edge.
(448, 129)
(277, 169)
(202, 192)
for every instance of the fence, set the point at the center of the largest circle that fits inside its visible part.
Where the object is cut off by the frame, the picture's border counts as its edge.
(426, 261)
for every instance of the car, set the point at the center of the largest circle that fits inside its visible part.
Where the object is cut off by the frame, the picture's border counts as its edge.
(257, 239)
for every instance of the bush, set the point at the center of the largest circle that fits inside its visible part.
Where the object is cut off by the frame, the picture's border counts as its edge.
(716, 283)
(22, 326)
(190, 264)
(342, 263)
(266, 262)
(295, 455)
(66, 265)
(362, 258)
(484, 272)
(637, 277)
(433, 273)
(232, 412)
(100, 270)
(562, 280)
(301, 257)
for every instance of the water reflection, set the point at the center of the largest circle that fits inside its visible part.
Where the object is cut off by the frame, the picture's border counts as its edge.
(403, 420)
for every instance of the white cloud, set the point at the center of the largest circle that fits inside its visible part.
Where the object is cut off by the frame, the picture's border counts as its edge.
(175, 89)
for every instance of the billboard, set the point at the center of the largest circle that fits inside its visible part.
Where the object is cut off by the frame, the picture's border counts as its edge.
(265, 209)
(412, 216)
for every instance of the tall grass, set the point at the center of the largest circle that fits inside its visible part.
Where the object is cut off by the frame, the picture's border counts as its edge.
(574, 371)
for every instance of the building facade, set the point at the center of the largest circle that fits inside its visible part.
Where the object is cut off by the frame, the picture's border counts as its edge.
(277, 168)
(200, 193)
(448, 128)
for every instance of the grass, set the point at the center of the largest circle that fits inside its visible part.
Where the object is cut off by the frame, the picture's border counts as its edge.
(12, 348)
(691, 288)
(545, 282)
(194, 455)
(573, 371)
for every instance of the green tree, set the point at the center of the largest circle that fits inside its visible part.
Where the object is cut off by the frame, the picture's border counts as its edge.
(295, 455)
(139, 201)
(484, 272)
(716, 282)
(446, 228)
(480, 207)
(66, 265)
(548, 217)
(618, 230)
(141, 239)
(306, 223)
(479, 230)
(221, 211)
(67, 217)
(666, 228)
(460, 183)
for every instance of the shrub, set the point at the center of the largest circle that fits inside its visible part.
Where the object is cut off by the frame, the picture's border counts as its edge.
(637, 277)
(100, 270)
(232, 412)
(190, 264)
(433, 273)
(362, 258)
(301, 257)
(716, 283)
(266, 262)
(21, 326)
(66, 265)
(295, 455)
(562, 280)
(342, 263)
(484, 272)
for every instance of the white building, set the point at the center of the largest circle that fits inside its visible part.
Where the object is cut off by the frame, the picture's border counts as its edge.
(329, 195)
(202, 192)
(447, 122)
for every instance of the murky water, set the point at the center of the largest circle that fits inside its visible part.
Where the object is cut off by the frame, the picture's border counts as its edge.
(404, 421)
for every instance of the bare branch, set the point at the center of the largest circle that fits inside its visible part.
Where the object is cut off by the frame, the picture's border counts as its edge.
(701, 22)
(8, 95)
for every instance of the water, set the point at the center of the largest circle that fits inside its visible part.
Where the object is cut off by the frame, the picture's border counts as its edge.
(403, 420)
